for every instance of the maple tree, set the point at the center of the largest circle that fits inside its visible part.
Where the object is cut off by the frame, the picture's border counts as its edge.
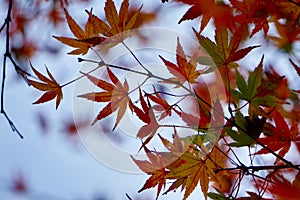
(238, 113)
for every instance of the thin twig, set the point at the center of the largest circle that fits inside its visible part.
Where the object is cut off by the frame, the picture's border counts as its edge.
(8, 55)
(84, 75)
(255, 168)
(232, 121)
(293, 2)
(140, 63)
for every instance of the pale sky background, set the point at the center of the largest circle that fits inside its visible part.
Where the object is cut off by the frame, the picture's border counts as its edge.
(53, 166)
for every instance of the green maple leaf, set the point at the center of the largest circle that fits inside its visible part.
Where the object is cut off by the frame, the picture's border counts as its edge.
(256, 91)
(247, 91)
(223, 51)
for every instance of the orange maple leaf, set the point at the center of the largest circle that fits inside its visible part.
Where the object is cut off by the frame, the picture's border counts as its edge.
(190, 173)
(154, 167)
(116, 23)
(282, 137)
(116, 94)
(184, 70)
(159, 163)
(49, 85)
(193, 167)
(85, 39)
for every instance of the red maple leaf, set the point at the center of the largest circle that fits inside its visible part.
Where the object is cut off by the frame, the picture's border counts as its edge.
(282, 137)
(19, 184)
(145, 114)
(162, 105)
(256, 12)
(220, 12)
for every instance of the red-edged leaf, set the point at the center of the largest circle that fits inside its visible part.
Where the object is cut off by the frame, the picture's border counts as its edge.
(154, 167)
(184, 70)
(221, 51)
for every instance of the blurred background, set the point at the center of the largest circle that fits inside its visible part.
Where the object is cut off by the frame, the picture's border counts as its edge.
(51, 162)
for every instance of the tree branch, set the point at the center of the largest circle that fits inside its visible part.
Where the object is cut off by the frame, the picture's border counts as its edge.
(7, 54)
(255, 168)
(293, 2)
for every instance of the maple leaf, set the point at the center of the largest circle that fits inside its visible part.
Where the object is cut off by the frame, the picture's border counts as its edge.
(257, 91)
(281, 188)
(220, 12)
(247, 91)
(162, 105)
(224, 52)
(256, 12)
(71, 127)
(296, 67)
(160, 163)
(19, 184)
(288, 10)
(145, 114)
(117, 24)
(288, 35)
(216, 159)
(281, 136)
(85, 39)
(177, 147)
(249, 129)
(190, 173)
(194, 166)
(184, 164)
(49, 85)
(276, 84)
(184, 70)
(116, 94)
(154, 167)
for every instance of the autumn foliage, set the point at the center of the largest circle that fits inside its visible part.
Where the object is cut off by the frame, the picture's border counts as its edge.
(241, 113)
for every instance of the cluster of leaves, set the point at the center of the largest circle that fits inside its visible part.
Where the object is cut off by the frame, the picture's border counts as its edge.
(256, 102)
(24, 16)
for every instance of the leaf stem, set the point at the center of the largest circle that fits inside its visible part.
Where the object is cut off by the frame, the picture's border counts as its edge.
(232, 121)
(100, 64)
